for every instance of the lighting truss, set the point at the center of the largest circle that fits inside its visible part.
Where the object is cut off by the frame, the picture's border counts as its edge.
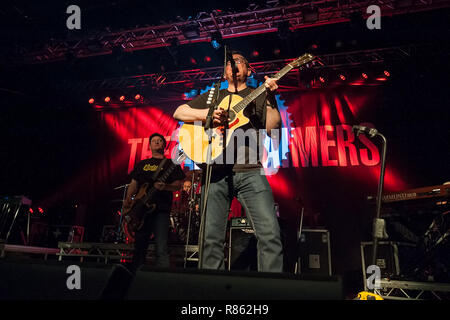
(257, 19)
(202, 77)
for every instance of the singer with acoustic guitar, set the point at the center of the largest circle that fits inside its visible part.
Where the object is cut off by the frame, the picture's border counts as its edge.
(243, 178)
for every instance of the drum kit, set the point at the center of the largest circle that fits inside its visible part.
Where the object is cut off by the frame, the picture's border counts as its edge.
(185, 213)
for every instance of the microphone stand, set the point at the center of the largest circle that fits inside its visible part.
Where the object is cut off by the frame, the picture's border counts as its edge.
(205, 189)
(378, 223)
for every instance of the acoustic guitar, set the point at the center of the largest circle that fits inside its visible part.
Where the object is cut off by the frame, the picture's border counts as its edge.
(194, 138)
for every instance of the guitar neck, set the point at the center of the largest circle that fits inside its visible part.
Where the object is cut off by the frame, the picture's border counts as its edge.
(163, 178)
(258, 91)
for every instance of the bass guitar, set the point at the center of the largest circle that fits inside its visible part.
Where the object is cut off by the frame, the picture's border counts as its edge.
(143, 204)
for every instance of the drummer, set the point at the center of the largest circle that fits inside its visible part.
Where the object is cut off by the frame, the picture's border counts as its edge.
(187, 186)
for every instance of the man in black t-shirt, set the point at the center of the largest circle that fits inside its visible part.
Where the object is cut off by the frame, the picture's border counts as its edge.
(243, 177)
(157, 221)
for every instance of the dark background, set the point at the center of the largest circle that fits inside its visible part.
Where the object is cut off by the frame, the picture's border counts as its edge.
(48, 134)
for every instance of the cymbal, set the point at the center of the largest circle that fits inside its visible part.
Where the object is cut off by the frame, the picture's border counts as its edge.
(121, 187)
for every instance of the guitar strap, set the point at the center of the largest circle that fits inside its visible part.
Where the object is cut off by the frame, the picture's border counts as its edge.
(158, 170)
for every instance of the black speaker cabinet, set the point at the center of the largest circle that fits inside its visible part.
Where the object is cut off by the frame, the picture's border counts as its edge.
(314, 253)
(242, 252)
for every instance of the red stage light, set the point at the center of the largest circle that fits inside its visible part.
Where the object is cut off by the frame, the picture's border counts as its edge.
(193, 61)
(31, 210)
(386, 73)
(342, 77)
(137, 97)
(207, 59)
(276, 51)
(122, 98)
(255, 53)
(91, 100)
(40, 210)
(107, 99)
(322, 79)
(364, 75)
(314, 46)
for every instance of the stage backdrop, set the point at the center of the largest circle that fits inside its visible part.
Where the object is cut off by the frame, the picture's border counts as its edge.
(318, 164)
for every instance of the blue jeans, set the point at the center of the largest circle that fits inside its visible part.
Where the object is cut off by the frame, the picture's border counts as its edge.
(158, 223)
(254, 193)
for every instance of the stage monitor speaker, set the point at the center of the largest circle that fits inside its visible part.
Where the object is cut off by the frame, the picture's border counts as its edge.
(232, 285)
(49, 281)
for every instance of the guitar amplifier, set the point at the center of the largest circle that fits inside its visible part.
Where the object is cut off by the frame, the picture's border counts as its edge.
(240, 223)
(314, 253)
(242, 253)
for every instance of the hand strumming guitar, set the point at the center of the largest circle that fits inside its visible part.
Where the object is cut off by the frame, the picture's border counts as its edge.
(220, 117)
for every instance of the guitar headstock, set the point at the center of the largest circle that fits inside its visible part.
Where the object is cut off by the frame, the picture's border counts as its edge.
(178, 156)
(304, 59)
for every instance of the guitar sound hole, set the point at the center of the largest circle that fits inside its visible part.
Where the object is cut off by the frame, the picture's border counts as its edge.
(231, 115)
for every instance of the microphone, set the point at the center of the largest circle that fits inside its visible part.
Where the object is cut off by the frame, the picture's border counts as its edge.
(233, 63)
(372, 132)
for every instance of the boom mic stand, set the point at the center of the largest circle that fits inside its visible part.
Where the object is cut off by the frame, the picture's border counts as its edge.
(379, 231)
(192, 201)
(119, 229)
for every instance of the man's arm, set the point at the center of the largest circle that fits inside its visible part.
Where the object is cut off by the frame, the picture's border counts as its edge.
(187, 114)
(273, 118)
(132, 189)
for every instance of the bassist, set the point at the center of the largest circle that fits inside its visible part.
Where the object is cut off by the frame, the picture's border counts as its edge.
(157, 222)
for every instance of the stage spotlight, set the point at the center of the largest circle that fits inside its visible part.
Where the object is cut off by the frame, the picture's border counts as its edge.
(207, 59)
(137, 97)
(91, 100)
(276, 51)
(284, 30)
(41, 211)
(387, 73)
(191, 30)
(216, 40)
(107, 99)
(310, 14)
(193, 61)
(364, 75)
(190, 94)
(342, 77)
(322, 79)
(255, 53)
(122, 98)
